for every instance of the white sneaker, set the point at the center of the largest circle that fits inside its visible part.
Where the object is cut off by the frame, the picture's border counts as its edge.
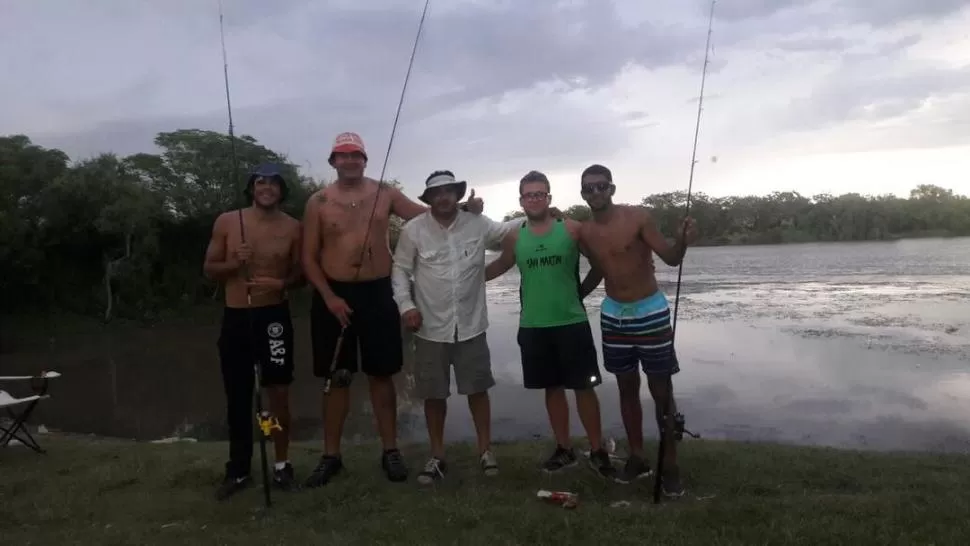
(488, 463)
(434, 470)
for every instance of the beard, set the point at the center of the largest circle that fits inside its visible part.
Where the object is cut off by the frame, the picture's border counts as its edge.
(537, 216)
(351, 173)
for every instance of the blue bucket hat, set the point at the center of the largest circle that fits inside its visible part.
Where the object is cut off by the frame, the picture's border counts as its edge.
(267, 170)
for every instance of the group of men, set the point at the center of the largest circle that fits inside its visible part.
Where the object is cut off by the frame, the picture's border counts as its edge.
(435, 285)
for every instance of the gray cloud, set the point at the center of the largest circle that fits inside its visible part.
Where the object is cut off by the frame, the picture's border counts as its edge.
(878, 14)
(466, 56)
(743, 10)
(881, 92)
(490, 92)
(888, 12)
(873, 77)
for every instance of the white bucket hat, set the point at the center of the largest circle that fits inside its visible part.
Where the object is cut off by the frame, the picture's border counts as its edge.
(443, 179)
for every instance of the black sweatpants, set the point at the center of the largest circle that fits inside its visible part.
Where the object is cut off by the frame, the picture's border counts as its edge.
(267, 337)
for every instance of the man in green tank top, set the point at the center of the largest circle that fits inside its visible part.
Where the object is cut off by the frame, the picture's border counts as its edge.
(555, 339)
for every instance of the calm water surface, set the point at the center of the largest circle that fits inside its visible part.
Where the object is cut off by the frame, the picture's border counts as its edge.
(845, 344)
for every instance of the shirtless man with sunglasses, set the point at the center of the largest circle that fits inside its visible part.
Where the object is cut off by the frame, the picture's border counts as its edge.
(635, 316)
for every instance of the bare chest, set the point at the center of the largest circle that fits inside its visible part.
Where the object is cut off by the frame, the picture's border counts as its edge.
(271, 245)
(342, 216)
(610, 244)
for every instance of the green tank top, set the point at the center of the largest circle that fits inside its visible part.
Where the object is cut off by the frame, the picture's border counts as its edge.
(549, 271)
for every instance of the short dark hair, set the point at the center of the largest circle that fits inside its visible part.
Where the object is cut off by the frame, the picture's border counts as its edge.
(437, 173)
(534, 176)
(597, 170)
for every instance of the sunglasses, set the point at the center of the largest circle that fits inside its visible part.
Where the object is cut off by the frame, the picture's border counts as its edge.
(534, 195)
(596, 187)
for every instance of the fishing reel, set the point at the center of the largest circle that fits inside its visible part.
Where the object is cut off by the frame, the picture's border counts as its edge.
(680, 428)
(340, 378)
(267, 423)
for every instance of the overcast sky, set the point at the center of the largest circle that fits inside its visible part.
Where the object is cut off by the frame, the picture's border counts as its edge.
(813, 96)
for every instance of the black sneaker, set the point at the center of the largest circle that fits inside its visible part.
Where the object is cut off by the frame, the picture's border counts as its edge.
(560, 459)
(283, 478)
(599, 461)
(670, 484)
(634, 469)
(393, 464)
(328, 467)
(232, 485)
(434, 470)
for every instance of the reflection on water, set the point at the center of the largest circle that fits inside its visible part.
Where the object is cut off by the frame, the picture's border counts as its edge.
(860, 345)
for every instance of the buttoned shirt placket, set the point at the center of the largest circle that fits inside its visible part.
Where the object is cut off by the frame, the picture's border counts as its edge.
(453, 255)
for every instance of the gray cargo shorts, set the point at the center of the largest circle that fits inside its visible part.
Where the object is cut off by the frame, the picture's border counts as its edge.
(433, 361)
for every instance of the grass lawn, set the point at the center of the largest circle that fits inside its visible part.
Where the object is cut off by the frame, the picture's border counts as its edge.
(102, 492)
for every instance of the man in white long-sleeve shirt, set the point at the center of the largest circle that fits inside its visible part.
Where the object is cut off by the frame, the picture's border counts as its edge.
(444, 250)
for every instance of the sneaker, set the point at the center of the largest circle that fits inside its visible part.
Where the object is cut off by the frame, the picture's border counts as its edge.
(328, 467)
(599, 461)
(670, 484)
(434, 470)
(232, 485)
(283, 478)
(560, 459)
(634, 469)
(393, 463)
(488, 463)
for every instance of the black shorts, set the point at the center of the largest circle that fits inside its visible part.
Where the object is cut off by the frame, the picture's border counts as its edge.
(559, 356)
(375, 324)
(261, 333)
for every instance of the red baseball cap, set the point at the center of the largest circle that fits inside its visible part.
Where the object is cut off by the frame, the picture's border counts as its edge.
(347, 143)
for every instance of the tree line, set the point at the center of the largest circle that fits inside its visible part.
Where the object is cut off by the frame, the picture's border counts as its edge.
(121, 236)
(112, 236)
(789, 217)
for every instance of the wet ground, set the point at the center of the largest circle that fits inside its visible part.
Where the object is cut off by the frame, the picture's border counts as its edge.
(856, 345)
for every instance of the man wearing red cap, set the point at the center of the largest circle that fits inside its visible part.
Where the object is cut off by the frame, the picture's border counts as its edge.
(347, 258)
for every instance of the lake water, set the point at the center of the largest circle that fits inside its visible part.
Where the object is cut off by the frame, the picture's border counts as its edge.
(863, 345)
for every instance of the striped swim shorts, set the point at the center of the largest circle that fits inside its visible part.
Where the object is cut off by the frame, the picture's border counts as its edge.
(638, 333)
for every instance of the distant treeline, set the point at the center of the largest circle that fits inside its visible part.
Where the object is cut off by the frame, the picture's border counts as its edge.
(788, 217)
(124, 236)
(120, 236)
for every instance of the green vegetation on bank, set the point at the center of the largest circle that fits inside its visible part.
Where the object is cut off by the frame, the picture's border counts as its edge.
(110, 236)
(95, 491)
(789, 217)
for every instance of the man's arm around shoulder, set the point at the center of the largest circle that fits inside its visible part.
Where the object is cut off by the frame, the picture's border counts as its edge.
(403, 206)
(574, 228)
(495, 232)
(506, 259)
(595, 275)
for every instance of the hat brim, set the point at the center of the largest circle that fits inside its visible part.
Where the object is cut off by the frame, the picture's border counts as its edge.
(462, 188)
(347, 149)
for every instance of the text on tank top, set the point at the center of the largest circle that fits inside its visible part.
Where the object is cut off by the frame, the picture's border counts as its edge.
(549, 270)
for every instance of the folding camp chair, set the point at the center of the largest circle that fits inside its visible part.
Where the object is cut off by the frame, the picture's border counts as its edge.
(18, 429)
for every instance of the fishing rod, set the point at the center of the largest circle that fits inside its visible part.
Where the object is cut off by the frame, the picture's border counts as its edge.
(679, 418)
(262, 419)
(232, 136)
(344, 376)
